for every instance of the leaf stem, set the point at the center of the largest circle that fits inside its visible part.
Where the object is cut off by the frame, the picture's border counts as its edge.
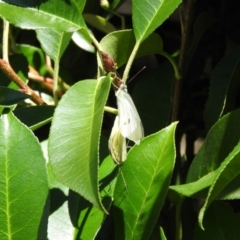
(175, 67)
(55, 82)
(111, 110)
(5, 40)
(99, 49)
(130, 62)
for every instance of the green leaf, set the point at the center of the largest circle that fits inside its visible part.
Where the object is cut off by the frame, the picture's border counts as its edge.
(223, 89)
(57, 228)
(148, 15)
(35, 57)
(228, 170)
(53, 42)
(220, 223)
(81, 39)
(20, 66)
(59, 224)
(162, 235)
(79, 4)
(231, 191)
(90, 219)
(99, 23)
(35, 117)
(216, 147)
(10, 97)
(119, 45)
(61, 15)
(157, 233)
(154, 89)
(57, 189)
(74, 137)
(194, 189)
(147, 174)
(23, 181)
(203, 21)
(116, 3)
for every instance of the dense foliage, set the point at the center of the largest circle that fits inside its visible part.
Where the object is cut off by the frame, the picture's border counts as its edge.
(57, 104)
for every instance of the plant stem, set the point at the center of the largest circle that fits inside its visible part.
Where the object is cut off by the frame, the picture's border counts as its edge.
(55, 82)
(183, 53)
(99, 48)
(111, 110)
(5, 40)
(130, 62)
(7, 69)
(171, 60)
(178, 221)
(188, 7)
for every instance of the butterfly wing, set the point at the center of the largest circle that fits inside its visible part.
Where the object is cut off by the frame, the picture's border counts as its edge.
(117, 144)
(129, 120)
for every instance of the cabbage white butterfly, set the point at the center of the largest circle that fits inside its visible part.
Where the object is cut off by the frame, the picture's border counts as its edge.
(130, 124)
(117, 144)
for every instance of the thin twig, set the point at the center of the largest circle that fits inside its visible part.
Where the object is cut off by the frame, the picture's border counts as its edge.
(9, 72)
(187, 24)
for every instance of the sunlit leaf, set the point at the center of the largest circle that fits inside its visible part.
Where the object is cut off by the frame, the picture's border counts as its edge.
(59, 229)
(53, 42)
(99, 23)
(148, 15)
(228, 170)
(23, 182)
(119, 45)
(74, 137)
(147, 174)
(89, 219)
(60, 15)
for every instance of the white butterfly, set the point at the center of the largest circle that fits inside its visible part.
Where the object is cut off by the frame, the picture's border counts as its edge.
(130, 124)
(117, 144)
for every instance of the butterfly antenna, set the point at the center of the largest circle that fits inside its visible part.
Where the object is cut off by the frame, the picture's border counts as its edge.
(137, 74)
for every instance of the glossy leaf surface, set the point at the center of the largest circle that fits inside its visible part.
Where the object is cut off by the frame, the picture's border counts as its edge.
(90, 219)
(61, 15)
(148, 15)
(23, 181)
(74, 137)
(139, 197)
(120, 44)
(53, 42)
